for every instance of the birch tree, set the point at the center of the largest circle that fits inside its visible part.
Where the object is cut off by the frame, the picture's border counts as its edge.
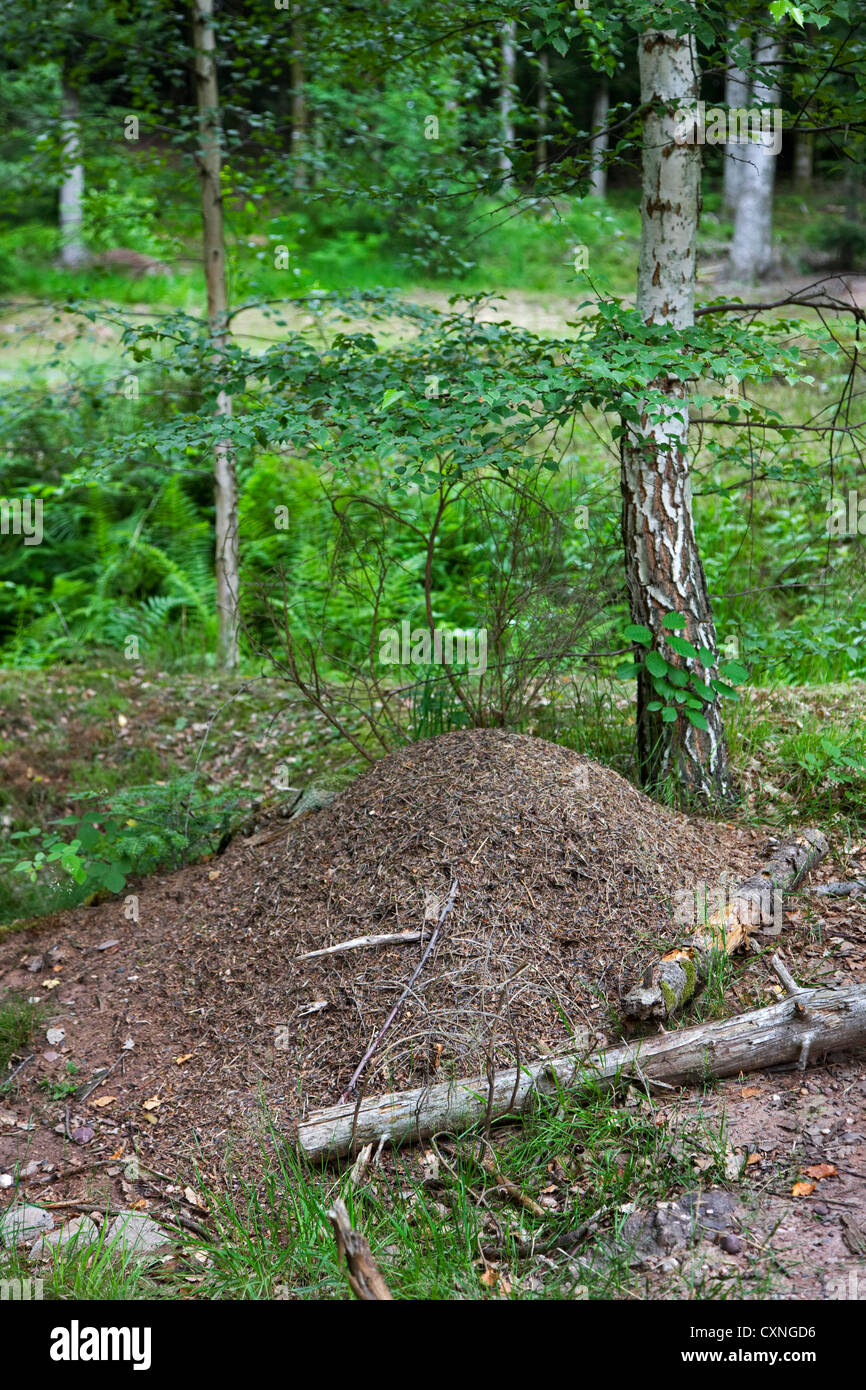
(736, 98)
(599, 141)
(506, 95)
(73, 253)
(225, 481)
(663, 567)
(751, 246)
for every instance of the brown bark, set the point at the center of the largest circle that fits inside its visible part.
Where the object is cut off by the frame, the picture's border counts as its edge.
(803, 1029)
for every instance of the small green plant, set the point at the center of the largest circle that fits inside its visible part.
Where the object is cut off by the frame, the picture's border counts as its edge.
(681, 691)
(19, 1019)
(59, 1088)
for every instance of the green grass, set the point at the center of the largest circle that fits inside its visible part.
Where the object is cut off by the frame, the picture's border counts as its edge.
(19, 1020)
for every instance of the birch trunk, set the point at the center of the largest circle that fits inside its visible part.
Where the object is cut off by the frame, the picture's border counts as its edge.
(804, 159)
(599, 142)
(506, 96)
(736, 99)
(751, 247)
(73, 253)
(225, 481)
(663, 568)
(299, 103)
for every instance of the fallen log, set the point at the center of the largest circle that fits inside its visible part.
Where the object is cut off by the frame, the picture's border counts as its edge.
(812, 1024)
(670, 982)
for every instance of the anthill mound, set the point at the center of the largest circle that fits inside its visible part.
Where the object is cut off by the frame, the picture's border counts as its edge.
(564, 876)
(564, 872)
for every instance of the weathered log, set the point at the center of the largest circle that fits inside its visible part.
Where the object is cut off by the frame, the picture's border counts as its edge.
(362, 1273)
(814, 1023)
(670, 982)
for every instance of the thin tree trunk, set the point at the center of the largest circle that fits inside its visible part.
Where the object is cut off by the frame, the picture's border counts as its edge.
(599, 142)
(225, 481)
(663, 568)
(541, 143)
(736, 99)
(506, 96)
(73, 252)
(751, 247)
(299, 102)
(804, 159)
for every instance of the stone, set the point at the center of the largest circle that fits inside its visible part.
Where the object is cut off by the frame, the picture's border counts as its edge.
(72, 1235)
(21, 1223)
(731, 1244)
(130, 1233)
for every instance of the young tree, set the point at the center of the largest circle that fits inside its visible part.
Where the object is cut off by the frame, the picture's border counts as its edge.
(506, 95)
(599, 142)
(736, 99)
(751, 246)
(73, 253)
(225, 481)
(664, 572)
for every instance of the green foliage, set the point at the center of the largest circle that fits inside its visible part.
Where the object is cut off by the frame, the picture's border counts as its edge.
(61, 1088)
(134, 832)
(681, 691)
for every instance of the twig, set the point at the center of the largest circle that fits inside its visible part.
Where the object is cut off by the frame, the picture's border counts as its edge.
(514, 1192)
(785, 975)
(397, 1007)
(364, 1278)
(82, 1095)
(10, 1079)
(359, 1167)
(356, 943)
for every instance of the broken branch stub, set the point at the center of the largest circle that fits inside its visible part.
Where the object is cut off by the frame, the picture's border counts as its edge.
(757, 902)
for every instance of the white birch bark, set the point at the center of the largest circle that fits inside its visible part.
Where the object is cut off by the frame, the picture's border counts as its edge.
(751, 247)
(506, 95)
(663, 568)
(225, 481)
(736, 99)
(599, 141)
(541, 141)
(73, 252)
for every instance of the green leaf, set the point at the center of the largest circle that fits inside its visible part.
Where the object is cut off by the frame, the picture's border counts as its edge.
(656, 664)
(627, 669)
(735, 673)
(697, 719)
(682, 646)
(673, 620)
(707, 657)
(655, 705)
(677, 677)
(668, 715)
(635, 632)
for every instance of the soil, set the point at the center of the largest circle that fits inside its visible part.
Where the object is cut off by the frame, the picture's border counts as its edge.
(564, 873)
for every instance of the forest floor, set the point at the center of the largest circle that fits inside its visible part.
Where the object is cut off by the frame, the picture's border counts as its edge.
(217, 1040)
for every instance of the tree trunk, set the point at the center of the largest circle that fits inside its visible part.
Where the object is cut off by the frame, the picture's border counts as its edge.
(801, 1029)
(299, 103)
(541, 142)
(225, 481)
(804, 160)
(751, 247)
(736, 99)
(73, 253)
(506, 96)
(663, 568)
(598, 143)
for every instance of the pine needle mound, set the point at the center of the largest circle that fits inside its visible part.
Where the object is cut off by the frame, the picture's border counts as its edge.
(565, 874)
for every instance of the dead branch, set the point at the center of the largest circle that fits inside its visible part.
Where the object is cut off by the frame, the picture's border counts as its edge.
(813, 1024)
(364, 1278)
(356, 1075)
(357, 943)
(669, 983)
